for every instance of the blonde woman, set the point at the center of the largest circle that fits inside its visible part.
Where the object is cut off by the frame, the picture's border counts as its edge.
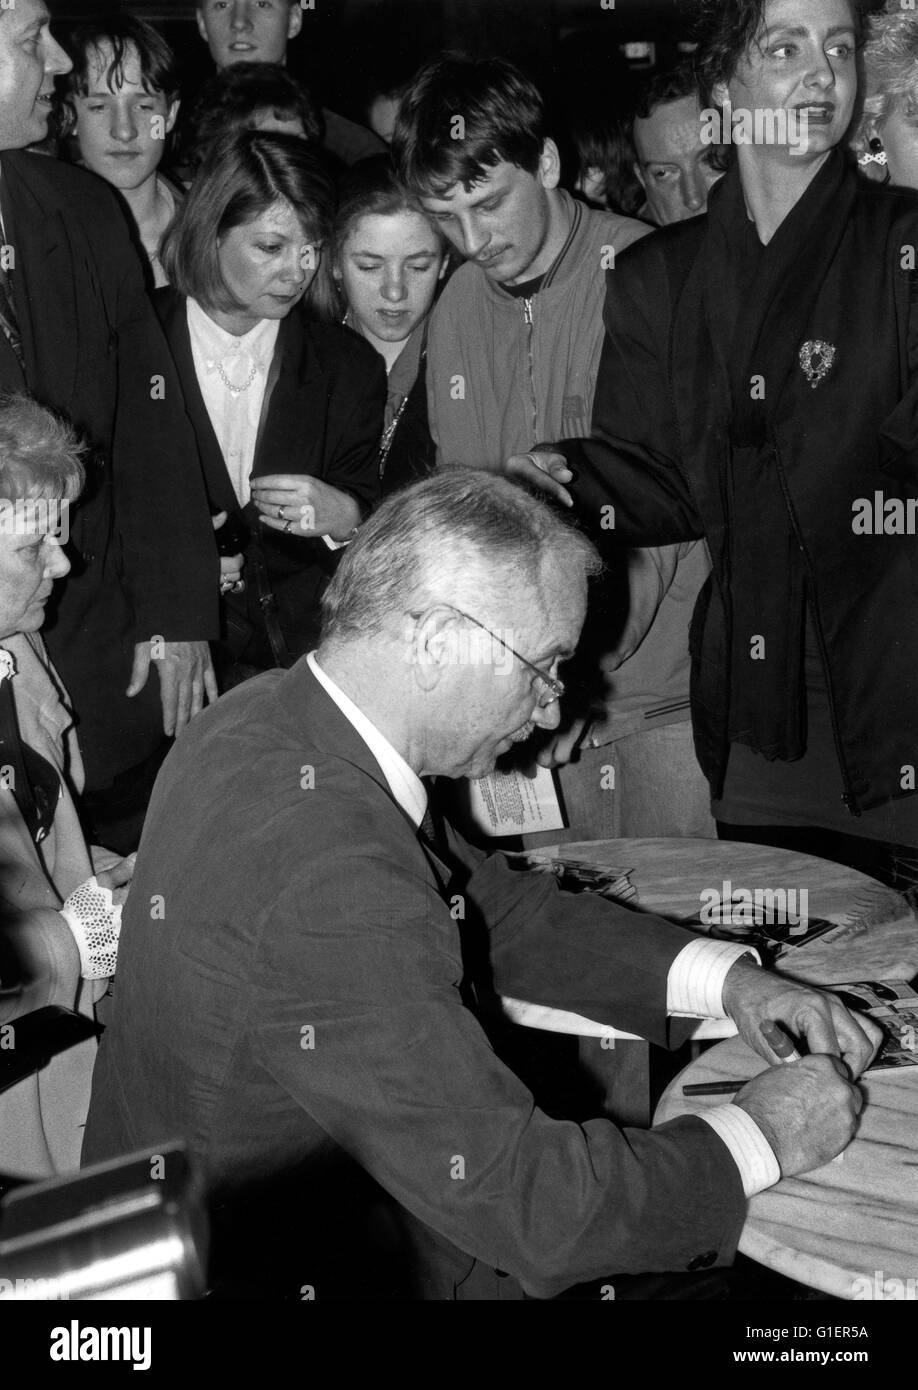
(886, 138)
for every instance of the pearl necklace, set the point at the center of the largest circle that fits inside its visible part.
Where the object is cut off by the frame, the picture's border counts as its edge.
(237, 390)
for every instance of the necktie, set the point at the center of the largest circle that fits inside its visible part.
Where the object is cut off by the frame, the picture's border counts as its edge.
(427, 829)
(431, 830)
(8, 320)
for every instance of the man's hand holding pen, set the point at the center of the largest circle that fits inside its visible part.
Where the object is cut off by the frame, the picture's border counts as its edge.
(807, 1107)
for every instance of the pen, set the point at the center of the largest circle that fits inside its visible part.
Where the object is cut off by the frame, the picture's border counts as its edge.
(713, 1088)
(781, 1045)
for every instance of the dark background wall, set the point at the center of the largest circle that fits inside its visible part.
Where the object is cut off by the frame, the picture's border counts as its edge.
(345, 44)
(570, 46)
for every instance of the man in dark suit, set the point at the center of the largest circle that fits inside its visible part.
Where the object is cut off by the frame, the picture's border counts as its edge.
(80, 335)
(308, 965)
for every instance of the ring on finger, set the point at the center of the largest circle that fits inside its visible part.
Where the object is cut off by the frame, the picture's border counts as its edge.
(280, 513)
(288, 526)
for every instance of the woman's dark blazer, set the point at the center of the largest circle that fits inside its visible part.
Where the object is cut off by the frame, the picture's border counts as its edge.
(674, 413)
(322, 416)
(413, 454)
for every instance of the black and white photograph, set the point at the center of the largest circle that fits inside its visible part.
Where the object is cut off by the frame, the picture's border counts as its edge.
(458, 670)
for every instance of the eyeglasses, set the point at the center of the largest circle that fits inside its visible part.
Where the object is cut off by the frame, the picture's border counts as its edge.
(554, 689)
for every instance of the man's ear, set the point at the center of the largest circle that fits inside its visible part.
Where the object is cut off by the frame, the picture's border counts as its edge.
(549, 172)
(296, 21)
(639, 175)
(720, 94)
(202, 27)
(172, 117)
(431, 645)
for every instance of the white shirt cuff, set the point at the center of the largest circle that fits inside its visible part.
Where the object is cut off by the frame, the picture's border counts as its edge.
(695, 983)
(335, 545)
(750, 1150)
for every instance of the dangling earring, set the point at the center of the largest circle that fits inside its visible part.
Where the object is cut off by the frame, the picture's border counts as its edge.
(338, 283)
(875, 152)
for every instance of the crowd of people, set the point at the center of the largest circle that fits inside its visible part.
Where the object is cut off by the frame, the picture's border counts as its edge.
(294, 412)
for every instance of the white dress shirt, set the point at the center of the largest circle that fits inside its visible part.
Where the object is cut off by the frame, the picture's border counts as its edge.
(222, 359)
(404, 783)
(696, 976)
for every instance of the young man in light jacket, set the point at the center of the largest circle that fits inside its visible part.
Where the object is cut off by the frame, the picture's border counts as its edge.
(513, 356)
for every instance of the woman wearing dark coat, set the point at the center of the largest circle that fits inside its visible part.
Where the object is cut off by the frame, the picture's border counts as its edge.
(389, 263)
(287, 407)
(758, 388)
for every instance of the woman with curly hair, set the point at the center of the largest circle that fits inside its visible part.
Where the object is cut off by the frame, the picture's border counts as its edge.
(758, 388)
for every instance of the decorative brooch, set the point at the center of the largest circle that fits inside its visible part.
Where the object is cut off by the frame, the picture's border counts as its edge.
(7, 664)
(816, 359)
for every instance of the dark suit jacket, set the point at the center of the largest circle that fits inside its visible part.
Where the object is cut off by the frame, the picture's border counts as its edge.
(296, 991)
(144, 561)
(323, 417)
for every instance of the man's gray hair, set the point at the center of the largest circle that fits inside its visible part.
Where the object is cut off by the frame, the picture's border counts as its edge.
(461, 537)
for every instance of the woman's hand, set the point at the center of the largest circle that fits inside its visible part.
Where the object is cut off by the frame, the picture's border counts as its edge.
(231, 566)
(303, 506)
(561, 748)
(118, 878)
(542, 470)
(93, 914)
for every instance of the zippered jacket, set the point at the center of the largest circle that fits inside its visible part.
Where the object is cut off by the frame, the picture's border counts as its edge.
(506, 373)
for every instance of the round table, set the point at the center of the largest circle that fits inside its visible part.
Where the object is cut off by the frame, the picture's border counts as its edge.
(849, 1228)
(877, 937)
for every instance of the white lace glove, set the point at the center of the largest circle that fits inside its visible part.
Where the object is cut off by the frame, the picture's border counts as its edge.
(95, 920)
